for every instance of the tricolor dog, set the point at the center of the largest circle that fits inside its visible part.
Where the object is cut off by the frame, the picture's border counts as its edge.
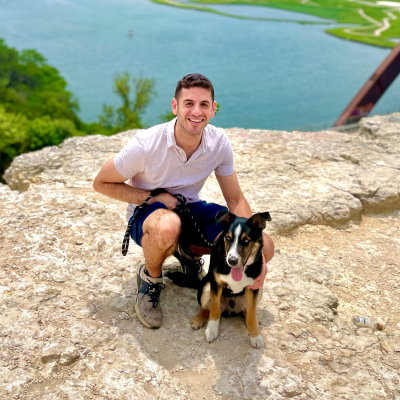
(236, 261)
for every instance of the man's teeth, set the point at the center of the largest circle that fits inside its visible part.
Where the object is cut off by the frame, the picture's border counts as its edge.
(195, 120)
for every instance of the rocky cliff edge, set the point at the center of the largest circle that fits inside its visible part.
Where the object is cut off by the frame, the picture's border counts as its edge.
(68, 328)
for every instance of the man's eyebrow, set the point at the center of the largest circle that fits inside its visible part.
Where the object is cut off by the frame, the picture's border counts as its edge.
(201, 101)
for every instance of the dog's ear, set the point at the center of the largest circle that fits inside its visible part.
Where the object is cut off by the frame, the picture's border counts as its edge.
(258, 221)
(225, 217)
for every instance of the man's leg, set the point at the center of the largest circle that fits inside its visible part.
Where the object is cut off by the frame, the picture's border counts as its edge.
(268, 247)
(160, 234)
(268, 252)
(199, 232)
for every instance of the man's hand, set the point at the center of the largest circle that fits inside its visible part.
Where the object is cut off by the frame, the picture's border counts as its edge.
(259, 281)
(166, 198)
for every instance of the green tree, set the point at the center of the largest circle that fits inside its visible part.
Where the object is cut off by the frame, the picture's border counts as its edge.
(19, 134)
(30, 86)
(45, 131)
(37, 110)
(167, 116)
(13, 139)
(129, 114)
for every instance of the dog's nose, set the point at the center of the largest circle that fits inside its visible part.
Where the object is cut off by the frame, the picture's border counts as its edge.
(233, 260)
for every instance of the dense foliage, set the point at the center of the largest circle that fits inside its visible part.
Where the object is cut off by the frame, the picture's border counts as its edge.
(30, 86)
(18, 134)
(37, 110)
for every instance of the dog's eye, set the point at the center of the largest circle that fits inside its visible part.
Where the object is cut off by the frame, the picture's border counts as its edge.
(245, 242)
(229, 239)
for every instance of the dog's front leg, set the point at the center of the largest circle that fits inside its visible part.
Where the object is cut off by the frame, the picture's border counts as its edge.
(211, 331)
(256, 340)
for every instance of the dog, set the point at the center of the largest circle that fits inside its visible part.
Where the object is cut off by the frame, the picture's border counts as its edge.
(236, 261)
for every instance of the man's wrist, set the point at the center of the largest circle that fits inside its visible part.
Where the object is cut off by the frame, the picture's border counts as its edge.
(145, 196)
(148, 195)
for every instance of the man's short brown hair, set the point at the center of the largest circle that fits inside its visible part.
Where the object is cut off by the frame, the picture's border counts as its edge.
(194, 80)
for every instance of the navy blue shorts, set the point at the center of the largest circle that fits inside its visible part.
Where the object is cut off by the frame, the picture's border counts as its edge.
(203, 213)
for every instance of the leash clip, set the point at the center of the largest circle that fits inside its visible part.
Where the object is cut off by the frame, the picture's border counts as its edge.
(181, 203)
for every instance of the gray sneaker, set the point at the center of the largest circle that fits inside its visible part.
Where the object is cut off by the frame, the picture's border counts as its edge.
(192, 269)
(191, 265)
(147, 305)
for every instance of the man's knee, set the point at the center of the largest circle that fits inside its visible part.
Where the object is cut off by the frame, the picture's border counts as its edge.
(268, 248)
(163, 227)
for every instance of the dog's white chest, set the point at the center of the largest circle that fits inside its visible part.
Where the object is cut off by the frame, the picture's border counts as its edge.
(237, 286)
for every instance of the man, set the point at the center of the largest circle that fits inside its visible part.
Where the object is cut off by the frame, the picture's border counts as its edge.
(177, 156)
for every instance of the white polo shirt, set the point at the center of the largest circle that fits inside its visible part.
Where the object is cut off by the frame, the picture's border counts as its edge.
(152, 160)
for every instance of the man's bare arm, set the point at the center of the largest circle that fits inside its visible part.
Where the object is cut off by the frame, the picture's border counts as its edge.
(111, 183)
(233, 195)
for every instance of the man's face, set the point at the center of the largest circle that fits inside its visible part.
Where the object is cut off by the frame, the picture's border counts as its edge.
(194, 108)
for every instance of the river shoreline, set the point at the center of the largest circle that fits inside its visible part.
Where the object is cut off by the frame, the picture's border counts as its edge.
(366, 23)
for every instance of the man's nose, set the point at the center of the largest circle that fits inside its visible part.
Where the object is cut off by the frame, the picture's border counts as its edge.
(197, 109)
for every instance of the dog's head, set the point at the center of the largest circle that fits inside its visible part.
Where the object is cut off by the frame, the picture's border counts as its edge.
(242, 237)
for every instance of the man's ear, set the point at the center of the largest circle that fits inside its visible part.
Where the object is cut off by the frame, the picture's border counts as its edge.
(214, 107)
(174, 106)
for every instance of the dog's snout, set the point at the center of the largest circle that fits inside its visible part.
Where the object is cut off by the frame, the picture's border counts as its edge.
(232, 260)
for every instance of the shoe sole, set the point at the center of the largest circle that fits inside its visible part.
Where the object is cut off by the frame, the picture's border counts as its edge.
(142, 320)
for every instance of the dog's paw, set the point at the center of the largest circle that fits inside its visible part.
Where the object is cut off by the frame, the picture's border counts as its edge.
(211, 331)
(257, 341)
(198, 322)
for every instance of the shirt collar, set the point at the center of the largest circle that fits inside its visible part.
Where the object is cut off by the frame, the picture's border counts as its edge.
(171, 142)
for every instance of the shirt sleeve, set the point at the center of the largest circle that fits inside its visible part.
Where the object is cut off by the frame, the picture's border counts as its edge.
(225, 168)
(130, 160)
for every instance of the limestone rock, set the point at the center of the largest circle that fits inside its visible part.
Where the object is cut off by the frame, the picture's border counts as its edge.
(52, 352)
(61, 352)
(301, 177)
(68, 327)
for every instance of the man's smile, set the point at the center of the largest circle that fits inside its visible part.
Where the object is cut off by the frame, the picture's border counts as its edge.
(196, 121)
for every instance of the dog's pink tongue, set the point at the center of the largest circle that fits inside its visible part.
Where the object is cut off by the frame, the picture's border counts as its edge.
(237, 273)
